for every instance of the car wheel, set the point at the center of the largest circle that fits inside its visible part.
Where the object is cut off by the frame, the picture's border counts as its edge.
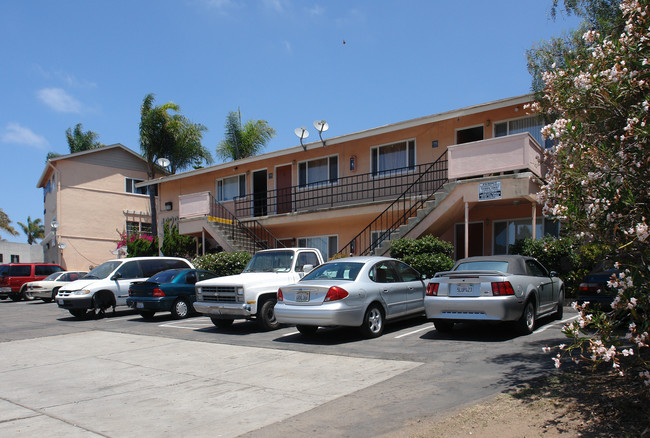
(27, 295)
(180, 309)
(147, 314)
(559, 314)
(526, 323)
(443, 326)
(373, 322)
(47, 300)
(16, 297)
(78, 313)
(307, 330)
(222, 323)
(266, 316)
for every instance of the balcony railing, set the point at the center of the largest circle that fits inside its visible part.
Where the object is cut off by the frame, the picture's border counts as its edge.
(355, 189)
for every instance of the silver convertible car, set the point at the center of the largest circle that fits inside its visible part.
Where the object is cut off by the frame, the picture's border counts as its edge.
(494, 288)
(356, 291)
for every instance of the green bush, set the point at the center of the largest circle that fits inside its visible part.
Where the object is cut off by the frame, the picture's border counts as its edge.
(175, 244)
(142, 246)
(223, 263)
(427, 254)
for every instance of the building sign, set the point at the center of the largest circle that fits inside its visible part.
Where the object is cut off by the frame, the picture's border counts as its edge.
(488, 191)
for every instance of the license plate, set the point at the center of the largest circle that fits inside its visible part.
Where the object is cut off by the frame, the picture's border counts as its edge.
(464, 290)
(139, 305)
(302, 297)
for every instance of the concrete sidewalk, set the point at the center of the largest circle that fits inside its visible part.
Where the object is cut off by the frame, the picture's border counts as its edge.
(120, 385)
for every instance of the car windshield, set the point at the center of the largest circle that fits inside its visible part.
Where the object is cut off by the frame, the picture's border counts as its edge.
(335, 271)
(103, 270)
(4, 269)
(52, 277)
(165, 276)
(274, 261)
(483, 265)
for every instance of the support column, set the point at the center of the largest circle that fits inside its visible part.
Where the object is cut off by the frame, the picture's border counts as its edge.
(202, 241)
(466, 229)
(534, 221)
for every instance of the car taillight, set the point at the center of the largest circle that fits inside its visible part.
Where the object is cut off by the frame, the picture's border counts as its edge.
(280, 297)
(588, 287)
(158, 293)
(502, 288)
(130, 292)
(432, 289)
(335, 293)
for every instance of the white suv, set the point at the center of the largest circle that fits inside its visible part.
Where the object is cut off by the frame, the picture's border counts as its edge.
(108, 284)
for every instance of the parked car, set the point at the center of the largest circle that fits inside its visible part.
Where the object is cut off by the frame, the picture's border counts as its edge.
(360, 292)
(108, 284)
(167, 291)
(594, 287)
(15, 275)
(494, 288)
(47, 288)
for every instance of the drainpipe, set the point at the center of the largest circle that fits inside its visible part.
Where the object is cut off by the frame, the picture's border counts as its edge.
(534, 221)
(466, 229)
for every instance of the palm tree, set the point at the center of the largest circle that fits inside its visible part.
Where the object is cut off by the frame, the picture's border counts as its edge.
(171, 136)
(33, 230)
(246, 141)
(5, 224)
(81, 141)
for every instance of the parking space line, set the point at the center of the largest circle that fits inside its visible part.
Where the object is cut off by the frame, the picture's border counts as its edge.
(428, 327)
(553, 324)
(291, 334)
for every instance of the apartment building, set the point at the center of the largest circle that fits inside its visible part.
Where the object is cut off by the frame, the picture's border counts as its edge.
(469, 176)
(90, 197)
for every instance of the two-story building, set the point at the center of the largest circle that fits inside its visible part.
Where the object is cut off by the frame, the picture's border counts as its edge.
(90, 197)
(469, 176)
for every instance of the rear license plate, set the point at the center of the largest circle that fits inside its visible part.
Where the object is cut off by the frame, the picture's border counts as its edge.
(139, 305)
(464, 290)
(302, 297)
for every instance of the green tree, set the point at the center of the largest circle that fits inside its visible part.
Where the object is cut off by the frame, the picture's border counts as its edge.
(598, 99)
(78, 140)
(5, 224)
(165, 133)
(33, 229)
(243, 141)
(175, 244)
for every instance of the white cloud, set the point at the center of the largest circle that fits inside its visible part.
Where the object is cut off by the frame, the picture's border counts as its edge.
(67, 78)
(59, 100)
(287, 47)
(14, 133)
(316, 10)
(276, 5)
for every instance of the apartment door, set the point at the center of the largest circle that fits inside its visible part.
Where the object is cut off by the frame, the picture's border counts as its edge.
(259, 193)
(283, 182)
(475, 240)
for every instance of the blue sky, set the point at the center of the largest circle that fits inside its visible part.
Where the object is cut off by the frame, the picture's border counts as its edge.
(284, 61)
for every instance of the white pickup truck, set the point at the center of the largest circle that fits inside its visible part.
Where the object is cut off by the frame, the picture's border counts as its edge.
(252, 294)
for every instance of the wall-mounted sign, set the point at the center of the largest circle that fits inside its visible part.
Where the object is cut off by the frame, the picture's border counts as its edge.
(488, 191)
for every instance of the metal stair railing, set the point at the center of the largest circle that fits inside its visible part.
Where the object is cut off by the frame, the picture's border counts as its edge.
(257, 236)
(400, 210)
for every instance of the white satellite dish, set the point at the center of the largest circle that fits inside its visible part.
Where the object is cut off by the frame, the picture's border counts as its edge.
(162, 162)
(54, 224)
(301, 133)
(62, 245)
(321, 125)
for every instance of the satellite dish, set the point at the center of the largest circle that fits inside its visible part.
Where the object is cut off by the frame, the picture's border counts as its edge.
(62, 245)
(54, 224)
(162, 162)
(321, 125)
(301, 133)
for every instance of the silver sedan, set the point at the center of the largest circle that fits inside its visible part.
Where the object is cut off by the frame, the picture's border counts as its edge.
(356, 291)
(494, 288)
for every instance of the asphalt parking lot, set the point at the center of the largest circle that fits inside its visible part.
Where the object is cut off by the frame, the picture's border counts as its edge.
(122, 376)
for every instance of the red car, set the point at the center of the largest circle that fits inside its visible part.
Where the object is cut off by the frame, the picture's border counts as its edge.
(13, 277)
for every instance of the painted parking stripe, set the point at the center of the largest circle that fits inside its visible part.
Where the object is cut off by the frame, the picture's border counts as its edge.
(428, 327)
(553, 324)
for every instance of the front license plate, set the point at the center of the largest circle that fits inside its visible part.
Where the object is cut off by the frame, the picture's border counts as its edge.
(464, 290)
(139, 305)
(302, 297)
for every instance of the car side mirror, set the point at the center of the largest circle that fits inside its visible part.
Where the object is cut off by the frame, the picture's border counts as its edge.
(307, 268)
(116, 276)
(553, 274)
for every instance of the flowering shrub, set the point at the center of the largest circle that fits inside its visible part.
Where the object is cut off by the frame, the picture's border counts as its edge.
(599, 180)
(223, 263)
(138, 245)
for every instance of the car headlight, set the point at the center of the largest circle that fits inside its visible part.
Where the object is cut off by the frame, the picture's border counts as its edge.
(240, 290)
(80, 292)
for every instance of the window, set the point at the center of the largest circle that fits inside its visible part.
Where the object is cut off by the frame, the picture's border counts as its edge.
(306, 258)
(377, 237)
(129, 270)
(231, 188)
(391, 157)
(383, 273)
(46, 269)
(406, 272)
(468, 135)
(131, 188)
(533, 125)
(137, 228)
(328, 245)
(15, 258)
(534, 269)
(506, 233)
(320, 171)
